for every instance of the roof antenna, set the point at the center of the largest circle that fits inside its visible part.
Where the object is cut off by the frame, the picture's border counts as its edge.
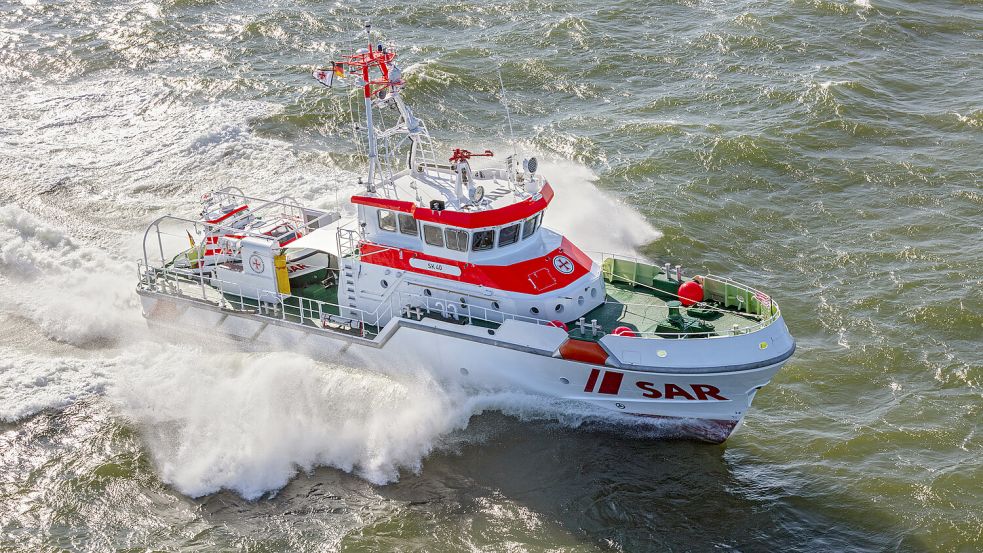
(508, 115)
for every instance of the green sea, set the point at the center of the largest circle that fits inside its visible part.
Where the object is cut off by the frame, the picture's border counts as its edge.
(827, 152)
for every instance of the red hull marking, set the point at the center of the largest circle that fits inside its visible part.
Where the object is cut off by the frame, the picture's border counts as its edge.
(586, 352)
(703, 392)
(510, 278)
(673, 390)
(490, 218)
(591, 380)
(611, 383)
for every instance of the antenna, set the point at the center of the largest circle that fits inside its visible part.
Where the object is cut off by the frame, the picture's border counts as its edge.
(508, 113)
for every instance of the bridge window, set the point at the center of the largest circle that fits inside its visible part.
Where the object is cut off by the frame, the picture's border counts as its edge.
(531, 225)
(387, 220)
(483, 240)
(508, 235)
(408, 225)
(456, 239)
(433, 235)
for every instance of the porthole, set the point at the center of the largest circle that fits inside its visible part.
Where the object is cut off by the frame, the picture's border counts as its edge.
(564, 380)
(534, 310)
(491, 332)
(558, 308)
(427, 292)
(464, 371)
(593, 292)
(495, 305)
(384, 283)
(662, 353)
(463, 301)
(580, 300)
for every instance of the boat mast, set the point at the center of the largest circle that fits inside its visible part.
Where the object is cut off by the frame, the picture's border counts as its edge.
(378, 92)
(367, 89)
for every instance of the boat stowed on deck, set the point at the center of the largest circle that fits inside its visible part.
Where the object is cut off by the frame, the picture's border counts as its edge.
(450, 268)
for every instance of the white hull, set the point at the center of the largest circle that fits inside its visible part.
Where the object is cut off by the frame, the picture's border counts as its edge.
(709, 398)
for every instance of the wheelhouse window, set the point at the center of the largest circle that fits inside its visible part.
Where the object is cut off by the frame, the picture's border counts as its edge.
(387, 220)
(408, 225)
(483, 240)
(531, 225)
(456, 239)
(508, 236)
(433, 236)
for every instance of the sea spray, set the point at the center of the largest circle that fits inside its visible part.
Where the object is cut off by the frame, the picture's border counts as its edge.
(249, 422)
(75, 293)
(590, 218)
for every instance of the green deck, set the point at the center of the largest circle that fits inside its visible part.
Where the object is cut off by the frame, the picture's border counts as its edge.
(641, 310)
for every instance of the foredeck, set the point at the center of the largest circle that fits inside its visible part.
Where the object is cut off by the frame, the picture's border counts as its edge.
(640, 294)
(642, 311)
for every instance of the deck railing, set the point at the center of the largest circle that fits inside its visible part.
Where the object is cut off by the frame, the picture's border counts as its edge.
(723, 290)
(329, 316)
(231, 296)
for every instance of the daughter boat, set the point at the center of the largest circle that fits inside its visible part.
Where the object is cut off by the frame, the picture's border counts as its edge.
(450, 267)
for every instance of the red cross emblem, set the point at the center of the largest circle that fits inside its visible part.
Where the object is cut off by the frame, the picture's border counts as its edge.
(563, 264)
(256, 262)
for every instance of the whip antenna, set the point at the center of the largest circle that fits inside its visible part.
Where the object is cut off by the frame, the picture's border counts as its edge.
(508, 113)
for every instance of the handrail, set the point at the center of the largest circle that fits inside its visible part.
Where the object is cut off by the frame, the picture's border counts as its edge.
(155, 224)
(395, 302)
(151, 276)
(634, 259)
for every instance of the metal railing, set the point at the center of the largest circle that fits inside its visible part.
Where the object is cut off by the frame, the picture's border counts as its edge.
(231, 296)
(327, 316)
(773, 311)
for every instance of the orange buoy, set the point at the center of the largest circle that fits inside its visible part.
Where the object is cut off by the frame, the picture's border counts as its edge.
(690, 293)
(624, 331)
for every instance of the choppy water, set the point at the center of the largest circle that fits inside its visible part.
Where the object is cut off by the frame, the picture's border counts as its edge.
(828, 151)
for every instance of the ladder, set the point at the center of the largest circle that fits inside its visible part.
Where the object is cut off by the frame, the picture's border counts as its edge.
(347, 287)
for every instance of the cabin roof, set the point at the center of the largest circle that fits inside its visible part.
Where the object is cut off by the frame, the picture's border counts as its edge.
(501, 204)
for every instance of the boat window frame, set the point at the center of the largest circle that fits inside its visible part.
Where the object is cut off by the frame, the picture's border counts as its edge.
(401, 217)
(439, 234)
(448, 231)
(382, 226)
(474, 239)
(518, 233)
(535, 220)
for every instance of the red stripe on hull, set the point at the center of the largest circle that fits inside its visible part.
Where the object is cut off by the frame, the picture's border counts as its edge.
(611, 383)
(591, 380)
(511, 278)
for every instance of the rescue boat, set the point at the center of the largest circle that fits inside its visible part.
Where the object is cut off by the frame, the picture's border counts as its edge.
(446, 263)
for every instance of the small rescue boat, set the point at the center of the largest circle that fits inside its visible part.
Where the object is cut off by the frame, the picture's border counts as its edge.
(450, 266)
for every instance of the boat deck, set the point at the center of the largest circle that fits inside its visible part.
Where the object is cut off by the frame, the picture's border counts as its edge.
(642, 311)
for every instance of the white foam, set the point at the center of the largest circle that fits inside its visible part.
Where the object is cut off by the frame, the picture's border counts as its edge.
(76, 294)
(249, 422)
(592, 219)
(29, 383)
